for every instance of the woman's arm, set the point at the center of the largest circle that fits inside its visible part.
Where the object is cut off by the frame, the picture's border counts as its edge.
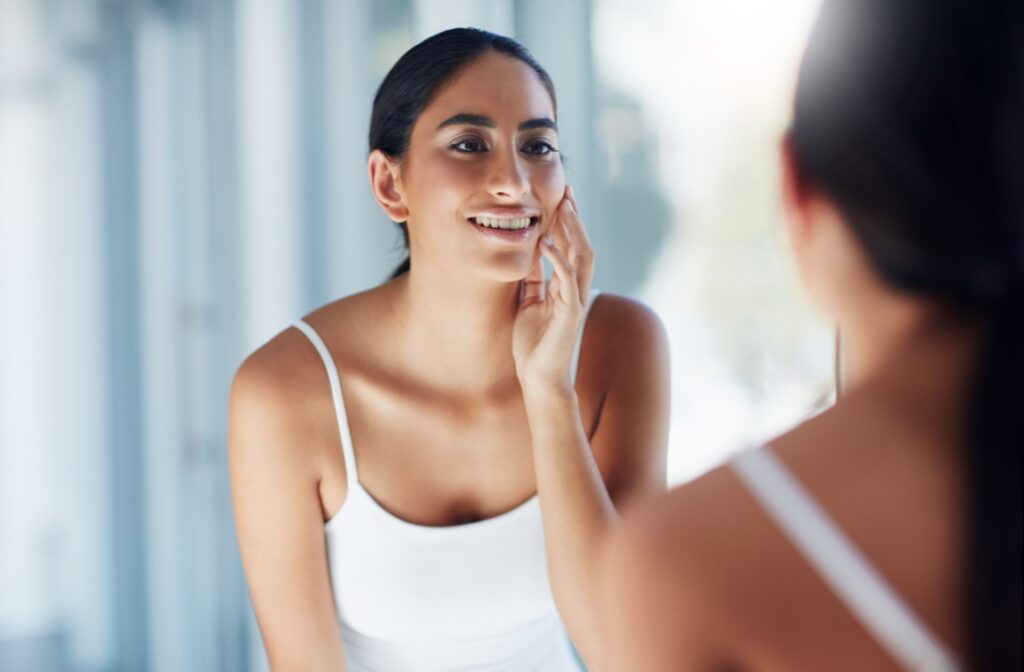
(576, 506)
(632, 428)
(279, 523)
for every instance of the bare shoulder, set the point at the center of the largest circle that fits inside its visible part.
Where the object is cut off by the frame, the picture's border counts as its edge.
(694, 528)
(279, 413)
(712, 562)
(282, 374)
(625, 324)
(678, 571)
(625, 354)
(281, 406)
(625, 384)
(276, 396)
(277, 369)
(278, 376)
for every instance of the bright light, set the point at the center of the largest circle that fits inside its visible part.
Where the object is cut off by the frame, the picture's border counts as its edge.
(714, 81)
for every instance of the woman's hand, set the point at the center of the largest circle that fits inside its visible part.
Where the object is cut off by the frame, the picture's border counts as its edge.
(548, 321)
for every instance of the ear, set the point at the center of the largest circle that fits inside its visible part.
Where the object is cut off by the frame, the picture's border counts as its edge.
(794, 196)
(385, 181)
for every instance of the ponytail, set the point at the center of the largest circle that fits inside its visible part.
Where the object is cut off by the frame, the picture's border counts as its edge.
(994, 443)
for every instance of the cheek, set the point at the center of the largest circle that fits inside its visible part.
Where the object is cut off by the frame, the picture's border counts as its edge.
(549, 187)
(454, 175)
(437, 187)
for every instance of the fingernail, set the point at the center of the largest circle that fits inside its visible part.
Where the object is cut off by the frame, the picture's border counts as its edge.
(548, 241)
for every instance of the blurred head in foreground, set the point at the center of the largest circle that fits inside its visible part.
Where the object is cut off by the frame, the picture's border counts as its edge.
(904, 179)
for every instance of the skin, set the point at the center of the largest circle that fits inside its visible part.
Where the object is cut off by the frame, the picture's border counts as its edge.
(702, 579)
(429, 377)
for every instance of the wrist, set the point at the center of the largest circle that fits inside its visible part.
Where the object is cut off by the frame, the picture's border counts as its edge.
(548, 391)
(548, 401)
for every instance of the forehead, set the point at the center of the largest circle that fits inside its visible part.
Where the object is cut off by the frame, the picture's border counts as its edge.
(494, 85)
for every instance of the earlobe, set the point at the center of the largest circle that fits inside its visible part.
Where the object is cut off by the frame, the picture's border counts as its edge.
(384, 181)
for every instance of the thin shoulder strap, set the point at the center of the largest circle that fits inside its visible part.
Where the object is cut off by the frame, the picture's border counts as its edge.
(339, 401)
(574, 370)
(853, 579)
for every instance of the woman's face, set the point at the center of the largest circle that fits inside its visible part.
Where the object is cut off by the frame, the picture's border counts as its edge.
(480, 179)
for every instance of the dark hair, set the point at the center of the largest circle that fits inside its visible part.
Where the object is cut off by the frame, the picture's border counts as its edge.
(908, 116)
(416, 78)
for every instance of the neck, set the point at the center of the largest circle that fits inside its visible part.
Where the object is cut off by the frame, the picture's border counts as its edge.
(455, 329)
(897, 338)
(869, 336)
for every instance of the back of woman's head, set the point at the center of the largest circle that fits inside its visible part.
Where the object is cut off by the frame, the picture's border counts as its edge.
(908, 117)
(420, 74)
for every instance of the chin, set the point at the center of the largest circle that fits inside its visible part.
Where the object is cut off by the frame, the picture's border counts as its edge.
(507, 267)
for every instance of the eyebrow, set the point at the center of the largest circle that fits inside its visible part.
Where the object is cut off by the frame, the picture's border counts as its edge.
(487, 122)
(541, 122)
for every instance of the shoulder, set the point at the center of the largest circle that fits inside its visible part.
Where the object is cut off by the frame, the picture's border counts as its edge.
(689, 529)
(678, 567)
(281, 370)
(280, 408)
(281, 392)
(274, 373)
(621, 318)
(628, 334)
(279, 400)
(624, 371)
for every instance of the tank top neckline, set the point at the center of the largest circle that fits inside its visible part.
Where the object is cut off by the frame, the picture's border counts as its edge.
(355, 486)
(358, 493)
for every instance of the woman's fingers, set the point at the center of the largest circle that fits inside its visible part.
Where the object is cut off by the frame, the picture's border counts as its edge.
(579, 245)
(554, 287)
(560, 230)
(568, 290)
(532, 288)
(567, 240)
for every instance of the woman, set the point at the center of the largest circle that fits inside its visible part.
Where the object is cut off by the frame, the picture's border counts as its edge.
(381, 465)
(884, 533)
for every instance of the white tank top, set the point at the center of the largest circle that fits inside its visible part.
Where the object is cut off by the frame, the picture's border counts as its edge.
(864, 591)
(421, 598)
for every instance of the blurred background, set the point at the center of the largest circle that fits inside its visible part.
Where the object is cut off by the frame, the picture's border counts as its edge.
(182, 179)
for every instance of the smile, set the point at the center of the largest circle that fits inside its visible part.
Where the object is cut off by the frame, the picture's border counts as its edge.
(507, 223)
(506, 229)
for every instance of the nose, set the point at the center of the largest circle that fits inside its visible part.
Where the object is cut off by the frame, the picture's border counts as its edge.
(507, 178)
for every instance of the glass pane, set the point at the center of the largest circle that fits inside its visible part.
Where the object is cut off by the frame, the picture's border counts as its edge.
(694, 99)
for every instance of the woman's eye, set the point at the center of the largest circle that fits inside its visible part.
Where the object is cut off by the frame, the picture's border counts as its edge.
(468, 146)
(540, 148)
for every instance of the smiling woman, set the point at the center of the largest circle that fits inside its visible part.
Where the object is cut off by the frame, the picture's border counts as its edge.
(393, 512)
(460, 145)
(421, 76)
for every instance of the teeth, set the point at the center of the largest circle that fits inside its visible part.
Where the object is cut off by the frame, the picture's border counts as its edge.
(503, 223)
